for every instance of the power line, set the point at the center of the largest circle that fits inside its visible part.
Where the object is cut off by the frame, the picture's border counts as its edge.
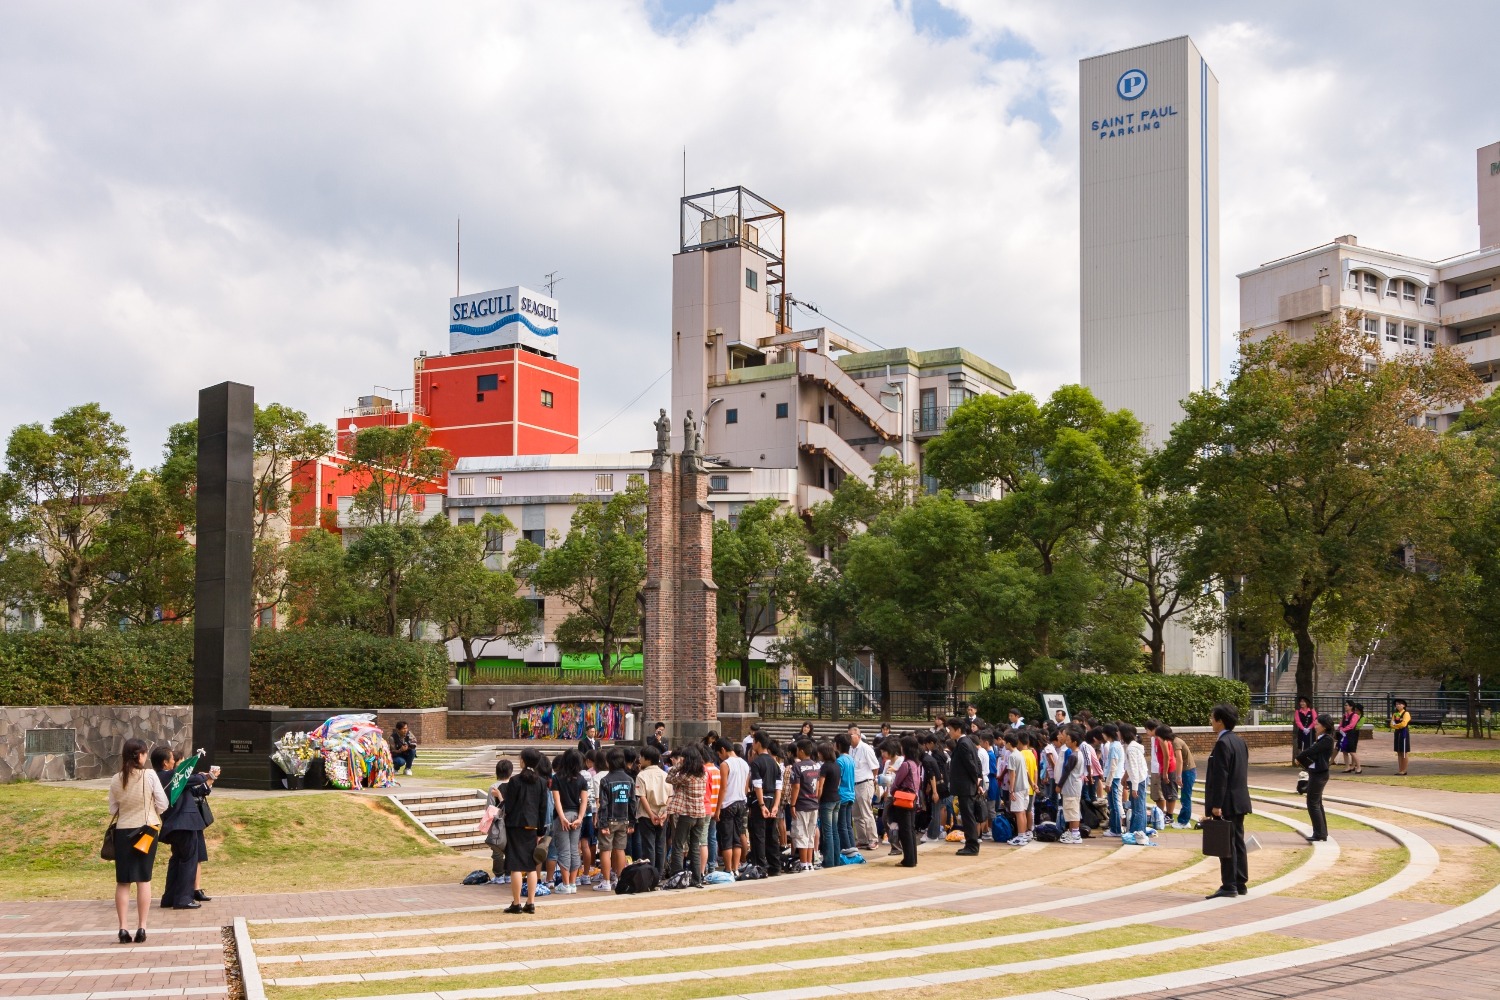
(814, 309)
(626, 406)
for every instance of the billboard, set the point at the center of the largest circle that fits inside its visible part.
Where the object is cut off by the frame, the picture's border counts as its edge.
(505, 317)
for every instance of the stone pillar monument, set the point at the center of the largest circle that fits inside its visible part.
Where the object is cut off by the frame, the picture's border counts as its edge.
(681, 620)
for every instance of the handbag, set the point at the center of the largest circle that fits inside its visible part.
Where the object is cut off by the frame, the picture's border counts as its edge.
(496, 838)
(107, 849)
(542, 844)
(487, 821)
(1218, 837)
(904, 798)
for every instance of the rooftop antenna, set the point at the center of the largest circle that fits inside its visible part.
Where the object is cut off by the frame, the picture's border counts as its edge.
(552, 279)
(458, 263)
(684, 171)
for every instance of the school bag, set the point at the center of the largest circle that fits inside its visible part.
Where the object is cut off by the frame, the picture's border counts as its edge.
(638, 876)
(477, 877)
(1000, 828)
(1047, 833)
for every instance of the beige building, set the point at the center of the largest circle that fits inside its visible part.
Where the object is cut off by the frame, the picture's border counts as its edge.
(813, 402)
(1149, 228)
(1408, 303)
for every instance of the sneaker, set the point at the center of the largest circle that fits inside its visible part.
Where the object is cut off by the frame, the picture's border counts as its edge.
(896, 852)
(1107, 833)
(602, 887)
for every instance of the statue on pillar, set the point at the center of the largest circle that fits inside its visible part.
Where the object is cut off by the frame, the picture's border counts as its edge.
(663, 440)
(689, 434)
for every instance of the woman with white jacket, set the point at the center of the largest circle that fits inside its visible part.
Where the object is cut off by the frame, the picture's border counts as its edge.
(136, 802)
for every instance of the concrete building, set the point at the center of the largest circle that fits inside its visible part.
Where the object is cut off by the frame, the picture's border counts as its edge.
(1408, 303)
(1149, 228)
(769, 397)
(539, 493)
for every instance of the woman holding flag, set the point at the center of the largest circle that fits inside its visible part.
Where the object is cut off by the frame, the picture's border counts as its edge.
(182, 826)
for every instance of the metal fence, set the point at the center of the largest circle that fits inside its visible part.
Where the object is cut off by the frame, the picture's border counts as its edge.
(848, 703)
(1444, 710)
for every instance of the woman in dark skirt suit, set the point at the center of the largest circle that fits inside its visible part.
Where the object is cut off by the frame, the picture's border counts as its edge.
(525, 816)
(1318, 759)
(136, 801)
(1353, 716)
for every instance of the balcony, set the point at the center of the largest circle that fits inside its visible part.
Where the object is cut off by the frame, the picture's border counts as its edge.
(1483, 308)
(930, 420)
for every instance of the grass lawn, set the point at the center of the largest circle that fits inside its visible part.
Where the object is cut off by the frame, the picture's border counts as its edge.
(1484, 783)
(1357, 870)
(312, 841)
(1478, 754)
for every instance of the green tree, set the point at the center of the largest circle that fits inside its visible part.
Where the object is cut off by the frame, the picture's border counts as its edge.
(397, 463)
(1066, 469)
(323, 590)
(22, 570)
(65, 482)
(760, 566)
(147, 567)
(1307, 472)
(284, 440)
(459, 593)
(598, 569)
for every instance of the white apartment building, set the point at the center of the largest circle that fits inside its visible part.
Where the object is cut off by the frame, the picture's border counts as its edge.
(1409, 303)
(539, 493)
(810, 402)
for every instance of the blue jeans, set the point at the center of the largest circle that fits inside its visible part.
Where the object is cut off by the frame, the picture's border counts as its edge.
(1140, 807)
(404, 758)
(1189, 779)
(713, 845)
(846, 826)
(828, 833)
(1116, 808)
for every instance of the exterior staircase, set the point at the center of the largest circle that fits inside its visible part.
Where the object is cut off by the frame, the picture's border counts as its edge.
(449, 816)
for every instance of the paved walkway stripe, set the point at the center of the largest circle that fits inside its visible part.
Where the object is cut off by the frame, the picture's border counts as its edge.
(95, 973)
(118, 949)
(213, 929)
(165, 992)
(1424, 857)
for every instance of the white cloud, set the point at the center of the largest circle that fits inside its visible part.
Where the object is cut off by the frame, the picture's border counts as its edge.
(192, 192)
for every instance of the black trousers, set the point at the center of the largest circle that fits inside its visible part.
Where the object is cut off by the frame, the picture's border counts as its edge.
(968, 815)
(1316, 782)
(1234, 871)
(182, 869)
(906, 830)
(764, 848)
(653, 839)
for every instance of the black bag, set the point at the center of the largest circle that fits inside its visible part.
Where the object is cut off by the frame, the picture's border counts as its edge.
(1218, 837)
(1047, 833)
(638, 876)
(107, 849)
(476, 877)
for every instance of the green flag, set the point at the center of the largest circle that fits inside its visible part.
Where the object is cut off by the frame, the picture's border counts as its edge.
(180, 777)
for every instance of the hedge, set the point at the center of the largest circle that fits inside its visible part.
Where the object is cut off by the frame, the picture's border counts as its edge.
(297, 667)
(1175, 699)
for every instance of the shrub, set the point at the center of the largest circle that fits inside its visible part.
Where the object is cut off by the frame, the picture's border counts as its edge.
(1175, 699)
(298, 667)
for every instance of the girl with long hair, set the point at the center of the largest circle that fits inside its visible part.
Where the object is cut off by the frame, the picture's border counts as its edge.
(136, 802)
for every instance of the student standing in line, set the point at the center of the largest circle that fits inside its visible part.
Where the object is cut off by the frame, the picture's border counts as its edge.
(1020, 788)
(1189, 779)
(570, 802)
(1304, 725)
(1401, 727)
(1114, 777)
(1353, 716)
(764, 804)
(688, 812)
(615, 818)
(1070, 783)
(525, 817)
(1137, 780)
(734, 787)
(908, 778)
(828, 805)
(503, 769)
(1318, 761)
(842, 745)
(651, 797)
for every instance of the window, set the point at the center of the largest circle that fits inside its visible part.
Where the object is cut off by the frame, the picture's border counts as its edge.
(1371, 365)
(487, 383)
(1409, 336)
(1432, 423)
(466, 517)
(752, 280)
(733, 516)
(1370, 282)
(1392, 288)
(1409, 291)
(1353, 280)
(604, 482)
(718, 484)
(1372, 326)
(547, 398)
(1429, 339)
(419, 502)
(958, 395)
(731, 416)
(538, 607)
(1429, 296)
(494, 486)
(781, 411)
(267, 617)
(464, 487)
(1473, 335)
(1469, 293)
(494, 540)
(536, 536)
(1392, 332)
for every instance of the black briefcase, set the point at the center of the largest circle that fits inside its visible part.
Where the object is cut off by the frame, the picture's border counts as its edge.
(1218, 837)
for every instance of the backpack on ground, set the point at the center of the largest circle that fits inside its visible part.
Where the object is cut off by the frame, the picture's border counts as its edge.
(681, 880)
(477, 877)
(638, 876)
(1000, 828)
(1047, 833)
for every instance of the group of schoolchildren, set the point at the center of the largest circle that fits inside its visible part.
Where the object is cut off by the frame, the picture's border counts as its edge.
(714, 811)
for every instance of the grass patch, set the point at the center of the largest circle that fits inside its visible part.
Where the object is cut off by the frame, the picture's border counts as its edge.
(255, 845)
(1030, 951)
(1487, 784)
(1357, 870)
(1477, 754)
(1463, 873)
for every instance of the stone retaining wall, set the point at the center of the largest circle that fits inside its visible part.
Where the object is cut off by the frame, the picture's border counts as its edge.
(100, 730)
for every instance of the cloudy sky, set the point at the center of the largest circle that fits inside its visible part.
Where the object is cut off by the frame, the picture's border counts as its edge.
(267, 192)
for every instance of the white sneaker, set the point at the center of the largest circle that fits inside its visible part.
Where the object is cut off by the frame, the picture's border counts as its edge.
(603, 887)
(1019, 840)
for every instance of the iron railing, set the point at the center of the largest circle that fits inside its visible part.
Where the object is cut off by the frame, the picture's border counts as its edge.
(930, 419)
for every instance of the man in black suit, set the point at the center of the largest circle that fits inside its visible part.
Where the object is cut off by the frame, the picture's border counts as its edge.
(590, 741)
(963, 778)
(658, 739)
(1226, 795)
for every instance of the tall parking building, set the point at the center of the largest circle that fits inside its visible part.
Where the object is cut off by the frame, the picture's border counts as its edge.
(1149, 228)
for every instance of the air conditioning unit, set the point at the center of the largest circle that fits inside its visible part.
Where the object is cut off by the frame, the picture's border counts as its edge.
(720, 228)
(750, 234)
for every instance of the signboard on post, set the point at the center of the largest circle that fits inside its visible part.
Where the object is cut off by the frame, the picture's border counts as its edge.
(1057, 708)
(506, 317)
